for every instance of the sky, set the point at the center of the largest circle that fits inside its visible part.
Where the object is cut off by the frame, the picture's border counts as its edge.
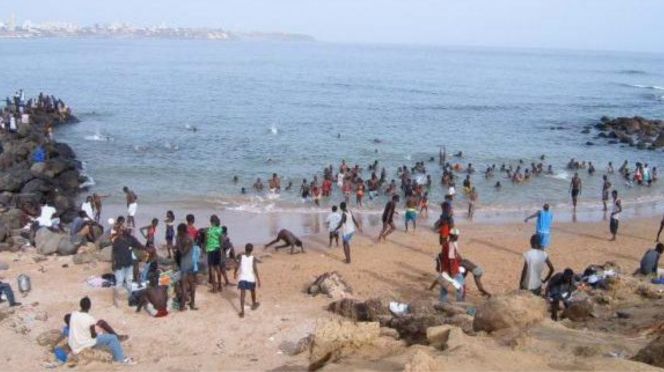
(630, 25)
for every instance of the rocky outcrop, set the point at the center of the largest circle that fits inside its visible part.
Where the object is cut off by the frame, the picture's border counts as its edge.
(367, 311)
(34, 169)
(636, 131)
(514, 310)
(332, 285)
(334, 339)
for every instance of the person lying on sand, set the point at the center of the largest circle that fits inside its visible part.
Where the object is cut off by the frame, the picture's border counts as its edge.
(289, 239)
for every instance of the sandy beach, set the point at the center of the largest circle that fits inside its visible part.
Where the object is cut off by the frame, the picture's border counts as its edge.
(214, 338)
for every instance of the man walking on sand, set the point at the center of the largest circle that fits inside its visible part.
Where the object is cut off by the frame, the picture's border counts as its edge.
(615, 215)
(248, 279)
(347, 225)
(132, 206)
(543, 225)
(388, 218)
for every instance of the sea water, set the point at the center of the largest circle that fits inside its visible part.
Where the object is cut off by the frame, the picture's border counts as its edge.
(177, 120)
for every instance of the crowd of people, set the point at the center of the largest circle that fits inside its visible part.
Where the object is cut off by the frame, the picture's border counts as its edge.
(17, 110)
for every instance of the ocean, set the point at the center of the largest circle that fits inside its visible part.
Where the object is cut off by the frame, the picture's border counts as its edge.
(296, 107)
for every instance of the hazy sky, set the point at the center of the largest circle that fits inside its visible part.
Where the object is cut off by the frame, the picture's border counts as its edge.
(577, 24)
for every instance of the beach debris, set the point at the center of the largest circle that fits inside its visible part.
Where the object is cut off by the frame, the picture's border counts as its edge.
(331, 284)
(24, 284)
(518, 309)
(399, 309)
(578, 311)
(653, 353)
(334, 339)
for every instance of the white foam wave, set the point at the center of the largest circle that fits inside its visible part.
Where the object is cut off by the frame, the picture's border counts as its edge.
(274, 130)
(559, 176)
(653, 87)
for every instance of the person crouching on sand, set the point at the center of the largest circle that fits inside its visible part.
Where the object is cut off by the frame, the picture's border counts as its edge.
(248, 279)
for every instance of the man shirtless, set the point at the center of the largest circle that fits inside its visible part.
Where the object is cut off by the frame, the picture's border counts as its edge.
(289, 239)
(154, 298)
(132, 206)
(411, 212)
(97, 204)
(275, 184)
(388, 218)
(575, 189)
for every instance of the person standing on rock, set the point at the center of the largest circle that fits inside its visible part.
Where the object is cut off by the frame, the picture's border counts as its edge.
(533, 267)
(132, 206)
(615, 215)
(347, 225)
(575, 189)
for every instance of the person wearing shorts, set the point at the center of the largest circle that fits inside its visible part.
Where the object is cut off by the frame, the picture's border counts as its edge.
(615, 215)
(132, 206)
(411, 212)
(213, 238)
(388, 218)
(477, 272)
(248, 278)
(348, 224)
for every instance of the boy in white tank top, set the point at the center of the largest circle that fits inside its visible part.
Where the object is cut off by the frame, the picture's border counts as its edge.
(248, 277)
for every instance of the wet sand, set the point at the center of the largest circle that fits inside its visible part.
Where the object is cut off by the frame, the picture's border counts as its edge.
(215, 338)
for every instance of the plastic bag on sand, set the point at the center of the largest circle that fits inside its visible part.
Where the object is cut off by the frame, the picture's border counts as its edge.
(397, 308)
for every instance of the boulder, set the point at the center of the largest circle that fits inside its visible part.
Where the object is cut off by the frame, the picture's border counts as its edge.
(13, 218)
(83, 258)
(389, 332)
(38, 169)
(299, 347)
(4, 232)
(88, 356)
(68, 180)
(579, 311)
(653, 353)
(334, 339)
(368, 311)
(50, 338)
(422, 362)
(413, 329)
(47, 241)
(36, 185)
(14, 179)
(659, 142)
(332, 285)
(445, 337)
(104, 255)
(518, 309)
(67, 247)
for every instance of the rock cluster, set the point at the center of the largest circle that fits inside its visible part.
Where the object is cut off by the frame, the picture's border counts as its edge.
(636, 131)
(35, 169)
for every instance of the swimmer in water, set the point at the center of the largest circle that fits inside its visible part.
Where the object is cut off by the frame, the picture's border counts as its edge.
(498, 185)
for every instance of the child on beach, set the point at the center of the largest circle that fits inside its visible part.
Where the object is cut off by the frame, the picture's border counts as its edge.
(149, 232)
(248, 279)
(170, 231)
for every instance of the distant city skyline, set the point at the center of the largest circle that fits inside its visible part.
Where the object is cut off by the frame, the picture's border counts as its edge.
(561, 24)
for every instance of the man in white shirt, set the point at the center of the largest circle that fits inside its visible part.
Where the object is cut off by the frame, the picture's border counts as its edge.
(83, 334)
(332, 221)
(533, 267)
(45, 218)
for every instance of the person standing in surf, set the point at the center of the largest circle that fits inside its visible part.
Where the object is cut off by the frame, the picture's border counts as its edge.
(543, 225)
(575, 189)
(606, 188)
(347, 225)
(132, 206)
(615, 215)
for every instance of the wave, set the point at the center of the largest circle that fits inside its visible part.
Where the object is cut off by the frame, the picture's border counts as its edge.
(93, 114)
(98, 137)
(640, 86)
(274, 130)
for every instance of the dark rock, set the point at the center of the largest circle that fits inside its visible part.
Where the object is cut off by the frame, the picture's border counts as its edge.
(68, 180)
(659, 142)
(36, 185)
(579, 311)
(585, 131)
(13, 219)
(605, 119)
(413, 329)
(14, 179)
(368, 311)
(613, 142)
(66, 247)
(602, 135)
(653, 353)
(589, 143)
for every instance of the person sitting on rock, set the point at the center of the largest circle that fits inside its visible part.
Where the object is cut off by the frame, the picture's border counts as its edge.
(289, 239)
(46, 218)
(81, 230)
(560, 289)
(83, 334)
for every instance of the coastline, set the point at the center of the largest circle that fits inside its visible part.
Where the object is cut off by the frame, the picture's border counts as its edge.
(263, 226)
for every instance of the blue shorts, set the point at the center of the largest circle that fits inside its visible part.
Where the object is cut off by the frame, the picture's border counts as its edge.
(544, 239)
(411, 216)
(249, 286)
(348, 237)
